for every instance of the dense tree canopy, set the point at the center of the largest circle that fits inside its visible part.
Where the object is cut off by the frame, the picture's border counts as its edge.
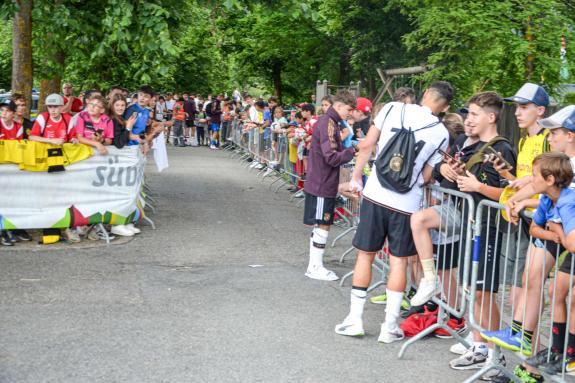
(282, 47)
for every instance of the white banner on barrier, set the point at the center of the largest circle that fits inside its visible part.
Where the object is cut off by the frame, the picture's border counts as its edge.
(98, 189)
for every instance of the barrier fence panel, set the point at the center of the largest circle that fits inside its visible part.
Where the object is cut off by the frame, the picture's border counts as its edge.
(512, 313)
(452, 241)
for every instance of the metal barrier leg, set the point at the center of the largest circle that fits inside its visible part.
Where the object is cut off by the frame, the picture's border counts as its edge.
(340, 236)
(150, 222)
(348, 251)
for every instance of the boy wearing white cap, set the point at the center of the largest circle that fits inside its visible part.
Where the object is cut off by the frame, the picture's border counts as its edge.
(53, 127)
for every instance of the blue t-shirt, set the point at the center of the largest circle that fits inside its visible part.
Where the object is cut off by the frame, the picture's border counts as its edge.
(566, 209)
(267, 117)
(347, 142)
(141, 122)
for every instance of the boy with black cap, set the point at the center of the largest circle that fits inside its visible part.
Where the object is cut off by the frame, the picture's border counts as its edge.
(9, 129)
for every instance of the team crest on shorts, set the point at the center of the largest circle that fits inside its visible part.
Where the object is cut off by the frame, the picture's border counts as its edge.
(326, 216)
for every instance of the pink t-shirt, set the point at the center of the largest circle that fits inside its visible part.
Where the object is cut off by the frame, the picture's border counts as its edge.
(86, 127)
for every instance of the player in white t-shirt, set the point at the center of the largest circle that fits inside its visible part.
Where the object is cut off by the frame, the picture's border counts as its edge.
(385, 214)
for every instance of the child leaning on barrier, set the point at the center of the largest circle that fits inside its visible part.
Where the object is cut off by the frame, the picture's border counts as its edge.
(541, 257)
(478, 178)
(552, 175)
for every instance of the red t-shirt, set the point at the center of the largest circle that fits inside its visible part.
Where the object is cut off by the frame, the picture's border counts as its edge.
(61, 129)
(77, 104)
(16, 133)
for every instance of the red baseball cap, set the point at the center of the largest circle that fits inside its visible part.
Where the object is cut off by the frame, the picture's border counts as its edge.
(363, 105)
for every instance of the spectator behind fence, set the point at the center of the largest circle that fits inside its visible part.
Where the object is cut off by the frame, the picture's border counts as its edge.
(94, 128)
(530, 100)
(21, 109)
(140, 109)
(53, 127)
(385, 213)
(362, 117)
(405, 95)
(552, 176)
(72, 104)
(10, 130)
(482, 181)
(325, 158)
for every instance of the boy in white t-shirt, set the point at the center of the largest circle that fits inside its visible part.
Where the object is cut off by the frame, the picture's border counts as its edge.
(385, 214)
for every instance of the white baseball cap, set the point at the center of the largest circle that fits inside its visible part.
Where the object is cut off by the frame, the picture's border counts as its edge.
(54, 100)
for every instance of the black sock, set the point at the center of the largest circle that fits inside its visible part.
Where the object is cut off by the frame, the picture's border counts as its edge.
(558, 340)
(516, 327)
(528, 335)
(571, 345)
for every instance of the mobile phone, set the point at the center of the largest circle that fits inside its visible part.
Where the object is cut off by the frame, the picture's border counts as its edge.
(445, 154)
(493, 152)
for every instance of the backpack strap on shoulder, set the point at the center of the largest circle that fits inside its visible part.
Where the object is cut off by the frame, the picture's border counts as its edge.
(478, 156)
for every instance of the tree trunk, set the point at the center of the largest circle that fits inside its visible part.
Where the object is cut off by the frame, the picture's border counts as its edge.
(54, 83)
(277, 79)
(22, 50)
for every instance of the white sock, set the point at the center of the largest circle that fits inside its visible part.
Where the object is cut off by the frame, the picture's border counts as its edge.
(393, 307)
(317, 248)
(480, 347)
(357, 302)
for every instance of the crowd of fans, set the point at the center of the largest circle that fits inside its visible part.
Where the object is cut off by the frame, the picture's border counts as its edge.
(93, 119)
(459, 151)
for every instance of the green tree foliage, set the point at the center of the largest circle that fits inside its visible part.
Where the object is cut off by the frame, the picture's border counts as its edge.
(284, 46)
(495, 45)
(5, 54)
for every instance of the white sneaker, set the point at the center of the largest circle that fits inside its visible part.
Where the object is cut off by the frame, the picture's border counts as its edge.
(469, 361)
(254, 164)
(390, 336)
(299, 194)
(213, 147)
(133, 228)
(425, 291)
(460, 349)
(350, 327)
(122, 230)
(268, 172)
(321, 273)
(260, 166)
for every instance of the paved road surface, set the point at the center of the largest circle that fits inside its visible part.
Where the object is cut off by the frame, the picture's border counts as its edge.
(181, 304)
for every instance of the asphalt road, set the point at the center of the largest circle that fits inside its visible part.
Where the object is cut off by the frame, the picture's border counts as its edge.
(182, 304)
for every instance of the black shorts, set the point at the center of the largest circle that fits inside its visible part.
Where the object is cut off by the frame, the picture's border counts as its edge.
(566, 265)
(446, 255)
(378, 223)
(489, 257)
(318, 210)
(553, 248)
(189, 122)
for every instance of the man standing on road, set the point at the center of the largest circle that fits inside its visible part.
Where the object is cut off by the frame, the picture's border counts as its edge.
(326, 155)
(385, 213)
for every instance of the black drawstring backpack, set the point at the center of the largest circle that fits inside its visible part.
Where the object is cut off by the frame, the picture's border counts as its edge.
(394, 165)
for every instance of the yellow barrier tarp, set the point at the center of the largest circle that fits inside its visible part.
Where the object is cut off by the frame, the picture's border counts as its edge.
(33, 156)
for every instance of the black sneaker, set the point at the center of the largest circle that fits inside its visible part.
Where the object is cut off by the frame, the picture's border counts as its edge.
(559, 365)
(541, 358)
(22, 235)
(5, 240)
(12, 237)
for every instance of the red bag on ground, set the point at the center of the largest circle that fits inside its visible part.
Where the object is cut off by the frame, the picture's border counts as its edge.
(416, 323)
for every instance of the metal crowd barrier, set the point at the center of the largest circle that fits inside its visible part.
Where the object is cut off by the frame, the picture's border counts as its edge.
(524, 300)
(248, 145)
(452, 250)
